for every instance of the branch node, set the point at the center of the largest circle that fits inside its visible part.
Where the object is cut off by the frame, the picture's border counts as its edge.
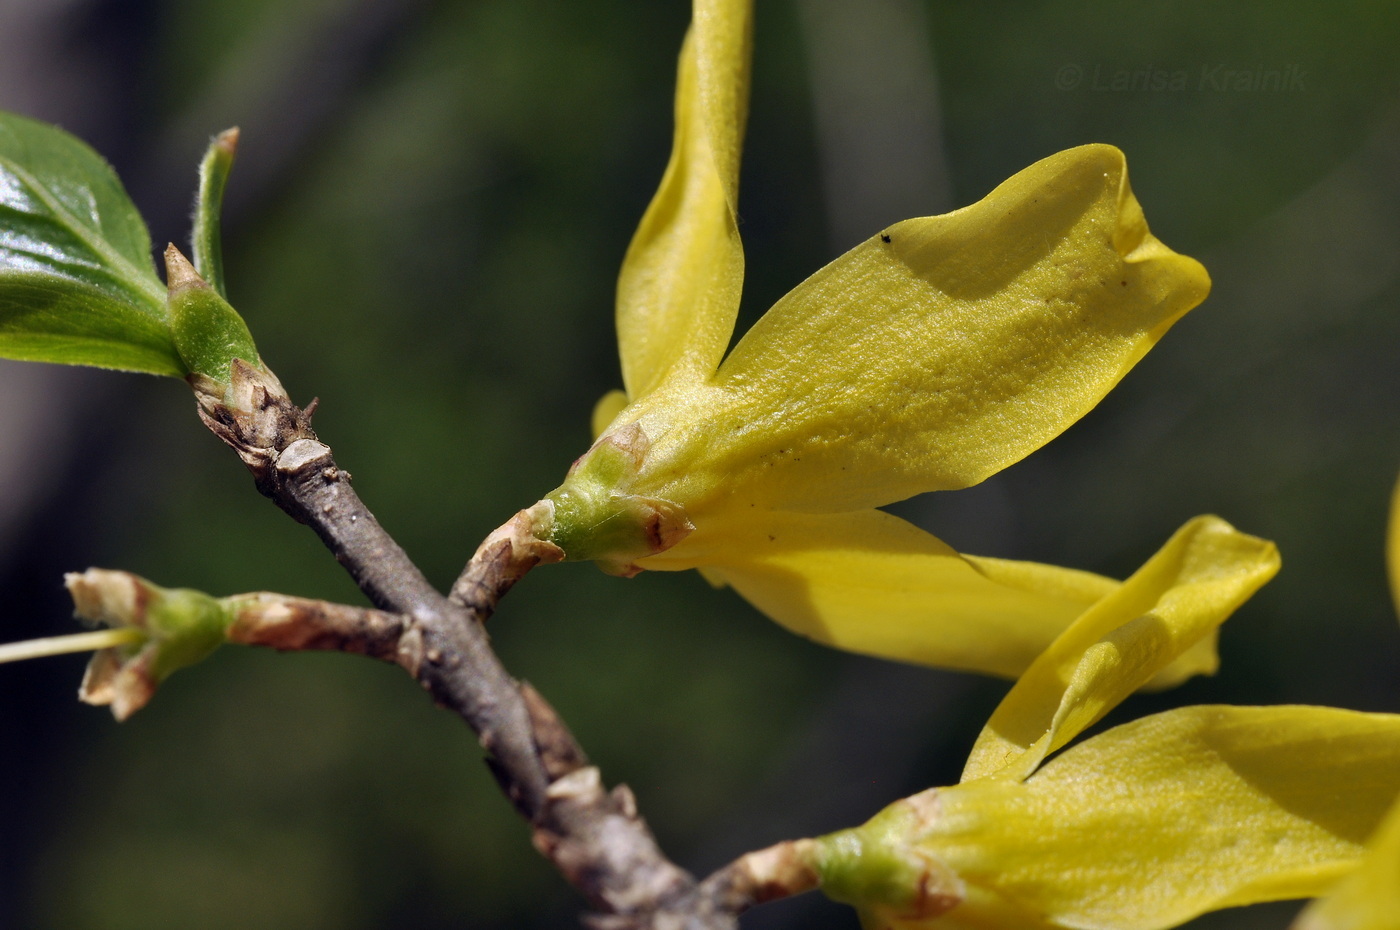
(410, 652)
(302, 453)
(581, 785)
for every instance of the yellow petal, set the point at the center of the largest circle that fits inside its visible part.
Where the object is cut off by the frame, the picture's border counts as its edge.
(1154, 822)
(1369, 898)
(1183, 593)
(869, 582)
(678, 291)
(1148, 824)
(936, 353)
(1392, 547)
(1200, 659)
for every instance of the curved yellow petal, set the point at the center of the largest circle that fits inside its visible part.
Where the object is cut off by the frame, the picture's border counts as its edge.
(679, 288)
(1182, 594)
(936, 353)
(1369, 898)
(1142, 827)
(1202, 658)
(869, 582)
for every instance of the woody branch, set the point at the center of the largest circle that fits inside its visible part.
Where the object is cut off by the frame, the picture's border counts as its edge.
(595, 837)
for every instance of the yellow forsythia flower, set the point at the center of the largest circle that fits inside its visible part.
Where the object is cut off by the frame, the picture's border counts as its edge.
(1146, 825)
(931, 356)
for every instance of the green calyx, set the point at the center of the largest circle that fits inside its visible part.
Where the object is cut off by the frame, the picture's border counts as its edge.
(188, 624)
(596, 519)
(878, 867)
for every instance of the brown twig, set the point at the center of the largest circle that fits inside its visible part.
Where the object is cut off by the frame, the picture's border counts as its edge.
(594, 836)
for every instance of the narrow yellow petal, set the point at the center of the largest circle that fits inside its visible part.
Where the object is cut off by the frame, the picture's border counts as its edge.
(869, 582)
(1182, 594)
(1369, 898)
(1392, 547)
(936, 353)
(679, 288)
(1152, 823)
(724, 53)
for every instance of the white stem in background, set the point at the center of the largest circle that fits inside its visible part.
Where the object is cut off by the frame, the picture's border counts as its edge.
(77, 642)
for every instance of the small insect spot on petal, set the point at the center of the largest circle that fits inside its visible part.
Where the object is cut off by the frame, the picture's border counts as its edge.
(772, 538)
(884, 237)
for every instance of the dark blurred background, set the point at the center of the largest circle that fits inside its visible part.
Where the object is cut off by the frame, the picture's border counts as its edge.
(431, 201)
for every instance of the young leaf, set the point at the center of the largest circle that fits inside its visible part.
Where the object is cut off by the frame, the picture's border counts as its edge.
(207, 238)
(77, 285)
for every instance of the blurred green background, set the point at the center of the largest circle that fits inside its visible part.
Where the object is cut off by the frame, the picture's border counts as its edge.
(425, 224)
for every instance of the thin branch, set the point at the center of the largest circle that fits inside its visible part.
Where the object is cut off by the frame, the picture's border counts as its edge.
(595, 837)
(298, 624)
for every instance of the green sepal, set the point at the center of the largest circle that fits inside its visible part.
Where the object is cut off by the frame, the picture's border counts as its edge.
(77, 285)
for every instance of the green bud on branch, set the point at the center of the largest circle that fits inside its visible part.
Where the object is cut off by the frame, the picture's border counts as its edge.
(209, 333)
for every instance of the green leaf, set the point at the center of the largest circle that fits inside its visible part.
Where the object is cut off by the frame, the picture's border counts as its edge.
(77, 284)
(208, 207)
